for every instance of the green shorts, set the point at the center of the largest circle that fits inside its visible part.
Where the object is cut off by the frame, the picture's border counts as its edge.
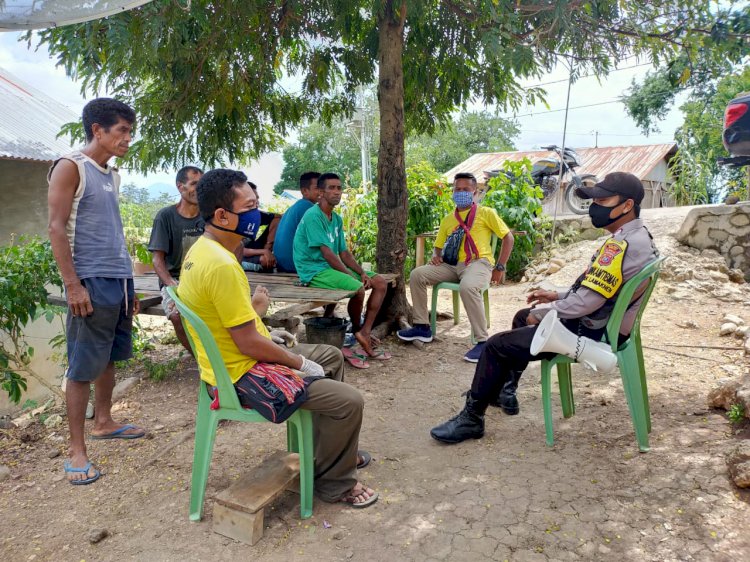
(338, 280)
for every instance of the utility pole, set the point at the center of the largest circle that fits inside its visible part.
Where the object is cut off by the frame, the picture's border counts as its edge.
(358, 129)
(559, 190)
(596, 139)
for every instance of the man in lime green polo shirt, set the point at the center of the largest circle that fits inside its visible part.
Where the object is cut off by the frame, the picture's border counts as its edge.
(323, 260)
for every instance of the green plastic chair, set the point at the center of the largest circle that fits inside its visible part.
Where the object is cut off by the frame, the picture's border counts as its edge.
(299, 425)
(456, 297)
(629, 360)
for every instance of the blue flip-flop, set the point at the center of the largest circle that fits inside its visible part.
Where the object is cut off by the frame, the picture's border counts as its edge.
(81, 482)
(120, 433)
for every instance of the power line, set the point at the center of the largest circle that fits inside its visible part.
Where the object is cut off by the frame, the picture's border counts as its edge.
(563, 109)
(586, 76)
(655, 95)
(601, 134)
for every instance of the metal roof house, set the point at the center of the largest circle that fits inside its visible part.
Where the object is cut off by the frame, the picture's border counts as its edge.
(291, 194)
(649, 162)
(29, 124)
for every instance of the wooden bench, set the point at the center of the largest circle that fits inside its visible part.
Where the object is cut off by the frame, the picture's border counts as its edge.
(283, 287)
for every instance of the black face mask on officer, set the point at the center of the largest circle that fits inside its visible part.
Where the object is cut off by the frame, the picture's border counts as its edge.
(600, 215)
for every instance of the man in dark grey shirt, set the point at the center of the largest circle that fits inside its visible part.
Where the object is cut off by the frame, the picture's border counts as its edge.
(175, 229)
(583, 309)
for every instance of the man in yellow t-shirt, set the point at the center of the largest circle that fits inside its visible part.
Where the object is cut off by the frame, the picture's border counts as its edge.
(215, 287)
(474, 269)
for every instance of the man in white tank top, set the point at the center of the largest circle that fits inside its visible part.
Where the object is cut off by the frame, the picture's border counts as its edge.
(85, 231)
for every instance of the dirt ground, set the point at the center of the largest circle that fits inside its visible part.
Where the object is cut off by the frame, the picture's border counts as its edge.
(592, 496)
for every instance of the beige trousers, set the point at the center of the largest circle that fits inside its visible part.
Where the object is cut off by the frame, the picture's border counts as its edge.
(337, 417)
(471, 278)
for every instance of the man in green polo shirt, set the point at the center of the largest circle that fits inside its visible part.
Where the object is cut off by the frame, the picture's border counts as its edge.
(322, 260)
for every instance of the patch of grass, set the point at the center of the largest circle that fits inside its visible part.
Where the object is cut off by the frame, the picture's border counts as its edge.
(29, 405)
(158, 371)
(736, 413)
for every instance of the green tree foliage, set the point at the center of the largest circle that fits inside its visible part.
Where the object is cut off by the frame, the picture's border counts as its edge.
(429, 201)
(698, 176)
(719, 43)
(471, 133)
(518, 201)
(210, 80)
(323, 148)
(138, 209)
(27, 269)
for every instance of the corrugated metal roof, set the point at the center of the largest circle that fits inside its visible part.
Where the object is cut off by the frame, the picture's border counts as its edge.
(638, 160)
(30, 122)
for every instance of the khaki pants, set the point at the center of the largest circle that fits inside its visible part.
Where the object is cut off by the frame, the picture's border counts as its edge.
(337, 417)
(471, 278)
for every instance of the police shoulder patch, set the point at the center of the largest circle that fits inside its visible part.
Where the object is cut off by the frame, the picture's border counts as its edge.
(604, 276)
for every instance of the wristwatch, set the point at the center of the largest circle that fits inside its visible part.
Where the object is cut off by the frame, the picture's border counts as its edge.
(500, 266)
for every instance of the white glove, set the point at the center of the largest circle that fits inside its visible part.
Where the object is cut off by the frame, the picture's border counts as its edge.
(311, 368)
(282, 337)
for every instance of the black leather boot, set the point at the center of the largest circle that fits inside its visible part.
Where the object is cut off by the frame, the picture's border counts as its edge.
(507, 400)
(468, 424)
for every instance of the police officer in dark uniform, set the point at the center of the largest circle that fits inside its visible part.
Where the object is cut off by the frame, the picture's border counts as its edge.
(584, 308)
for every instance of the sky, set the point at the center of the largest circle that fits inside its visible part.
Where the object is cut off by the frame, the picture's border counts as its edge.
(539, 125)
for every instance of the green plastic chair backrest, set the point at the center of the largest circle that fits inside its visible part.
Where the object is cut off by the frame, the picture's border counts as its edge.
(651, 272)
(227, 392)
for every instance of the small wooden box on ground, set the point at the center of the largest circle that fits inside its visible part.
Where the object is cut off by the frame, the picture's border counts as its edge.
(239, 510)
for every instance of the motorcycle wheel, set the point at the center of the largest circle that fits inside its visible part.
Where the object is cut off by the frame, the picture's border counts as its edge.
(576, 204)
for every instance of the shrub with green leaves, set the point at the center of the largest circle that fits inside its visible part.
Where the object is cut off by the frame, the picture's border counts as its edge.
(27, 269)
(138, 209)
(429, 202)
(518, 201)
(736, 413)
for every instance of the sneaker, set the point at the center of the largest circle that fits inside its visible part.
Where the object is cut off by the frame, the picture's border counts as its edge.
(473, 355)
(420, 332)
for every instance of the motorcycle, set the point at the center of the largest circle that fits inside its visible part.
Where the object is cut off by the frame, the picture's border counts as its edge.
(546, 174)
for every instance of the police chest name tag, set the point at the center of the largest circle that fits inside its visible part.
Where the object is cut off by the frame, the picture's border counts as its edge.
(605, 274)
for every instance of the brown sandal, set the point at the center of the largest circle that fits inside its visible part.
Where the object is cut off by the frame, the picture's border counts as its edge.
(358, 491)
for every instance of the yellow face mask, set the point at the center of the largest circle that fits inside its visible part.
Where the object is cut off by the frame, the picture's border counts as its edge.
(605, 274)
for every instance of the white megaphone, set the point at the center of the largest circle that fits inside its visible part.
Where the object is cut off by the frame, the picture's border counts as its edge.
(552, 336)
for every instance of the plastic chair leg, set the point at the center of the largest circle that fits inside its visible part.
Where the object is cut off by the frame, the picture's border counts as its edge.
(644, 397)
(636, 340)
(565, 382)
(304, 431)
(547, 402)
(456, 307)
(433, 310)
(292, 439)
(205, 433)
(628, 360)
(486, 296)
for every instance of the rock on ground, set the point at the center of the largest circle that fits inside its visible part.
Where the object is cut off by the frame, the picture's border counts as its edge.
(731, 392)
(739, 465)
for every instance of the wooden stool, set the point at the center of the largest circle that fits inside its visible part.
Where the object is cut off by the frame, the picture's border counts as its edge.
(239, 510)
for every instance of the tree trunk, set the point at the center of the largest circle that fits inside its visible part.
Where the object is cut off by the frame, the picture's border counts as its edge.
(392, 192)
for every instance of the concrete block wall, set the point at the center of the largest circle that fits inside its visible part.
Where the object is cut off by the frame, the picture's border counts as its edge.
(724, 228)
(38, 334)
(23, 198)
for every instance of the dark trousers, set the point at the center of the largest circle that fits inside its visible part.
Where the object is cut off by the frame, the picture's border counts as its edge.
(509, 351)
